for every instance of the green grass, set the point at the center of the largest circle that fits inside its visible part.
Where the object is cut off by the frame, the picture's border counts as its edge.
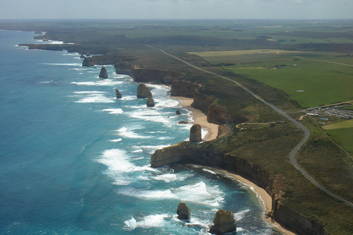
(343, 137)
(339, 125)
(310, 83)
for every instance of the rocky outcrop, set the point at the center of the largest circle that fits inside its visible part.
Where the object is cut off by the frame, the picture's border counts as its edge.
(184, 88)
(143, 91)
(177, 112)
(218, 114)
(103, 73)
(150, 102)
(87, 62)
(195, 133)
(183, 212)
(223, 222)
(117, 93)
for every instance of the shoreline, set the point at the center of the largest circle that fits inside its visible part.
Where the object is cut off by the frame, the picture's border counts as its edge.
(199, 118)
(265, 200)
(212, 132)
(263, 197)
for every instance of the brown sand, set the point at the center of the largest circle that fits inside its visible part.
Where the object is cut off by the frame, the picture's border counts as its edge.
(199, 118)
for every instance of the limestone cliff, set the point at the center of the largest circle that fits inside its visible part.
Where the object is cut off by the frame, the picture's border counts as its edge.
(117, 93)
(184, 88)
(153, 75)
(195, 133)
(223, 222)
(218, 114)
(103, 73)
(150, 102)
(143, 91)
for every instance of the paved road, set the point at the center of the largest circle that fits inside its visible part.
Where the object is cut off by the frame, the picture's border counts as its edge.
(294, 152)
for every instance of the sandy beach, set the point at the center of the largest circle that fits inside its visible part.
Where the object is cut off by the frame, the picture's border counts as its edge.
(264, 198)
(199, 118)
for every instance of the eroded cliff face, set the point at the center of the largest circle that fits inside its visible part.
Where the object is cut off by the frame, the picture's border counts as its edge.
(184, 88)
(218, 114)
(205, 154)
(153, 75)
(202, 101)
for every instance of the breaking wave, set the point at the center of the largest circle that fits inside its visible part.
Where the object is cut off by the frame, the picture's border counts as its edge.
(105, 82)
(197, 193)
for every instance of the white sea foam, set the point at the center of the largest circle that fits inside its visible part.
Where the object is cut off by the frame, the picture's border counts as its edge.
(204, 132)
(129, 133)
(47, 82)
(150, 221)
(55, 42)
(88, 92)
(105, 82)
(116, 140)
(150, 148)
(113, 111)
(118, 165)
(196, 193)
(78, 69)
(170, 177)
(63, 64)
(241, 214)
(209, 171)
(130, 97)
(151, 115)
(166, 103)
(92, 97)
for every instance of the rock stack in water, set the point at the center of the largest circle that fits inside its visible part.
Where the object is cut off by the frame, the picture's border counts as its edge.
(143, 91)
(195, 133)
(117, 93)
(87, 62)
(103, 73)
(150, 102)
(183, 212)
(223, 222)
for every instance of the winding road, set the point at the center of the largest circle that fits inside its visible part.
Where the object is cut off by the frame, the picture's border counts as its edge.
(294, 152)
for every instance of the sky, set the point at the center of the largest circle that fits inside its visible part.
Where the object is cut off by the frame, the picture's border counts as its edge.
(176, 9)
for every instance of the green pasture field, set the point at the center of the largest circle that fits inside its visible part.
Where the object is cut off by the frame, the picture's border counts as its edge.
(343, 137)
(309, 79)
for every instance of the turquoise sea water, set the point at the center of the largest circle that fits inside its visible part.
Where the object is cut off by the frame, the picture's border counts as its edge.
(74, 160)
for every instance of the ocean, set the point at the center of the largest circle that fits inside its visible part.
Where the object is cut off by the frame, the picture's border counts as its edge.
(75, 160)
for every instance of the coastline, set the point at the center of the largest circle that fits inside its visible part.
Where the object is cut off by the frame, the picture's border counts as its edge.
(263, 197)
(199, 118)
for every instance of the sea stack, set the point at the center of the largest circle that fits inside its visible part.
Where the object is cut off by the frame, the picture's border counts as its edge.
(103, 74)
(143, 91)
(195, 133)
(117, 93)
(223, 222)
(183, 212)
(150, 102)
(87, 62)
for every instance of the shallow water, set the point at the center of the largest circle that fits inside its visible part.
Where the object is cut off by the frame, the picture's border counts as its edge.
(74, 160)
